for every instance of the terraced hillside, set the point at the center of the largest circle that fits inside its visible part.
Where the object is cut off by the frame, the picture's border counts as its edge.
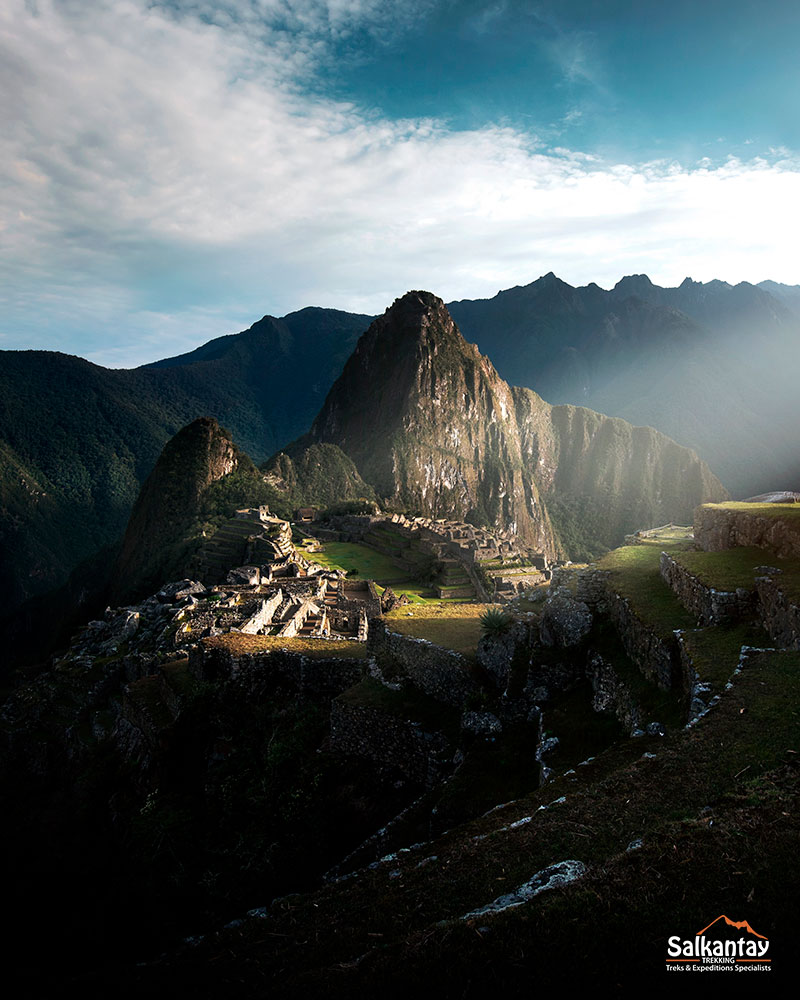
(617, 764)
(651, 836)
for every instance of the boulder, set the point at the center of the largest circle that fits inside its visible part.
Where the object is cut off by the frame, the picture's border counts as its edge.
(565, 622)
(180, 589)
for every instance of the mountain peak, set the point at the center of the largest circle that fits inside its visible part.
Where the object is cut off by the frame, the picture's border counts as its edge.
(415, 309)
(198, 455)
(634, 284)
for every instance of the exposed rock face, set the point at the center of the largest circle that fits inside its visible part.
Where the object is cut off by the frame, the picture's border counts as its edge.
(430, 424)
(497, 653)
(565, 622)
(197, 456)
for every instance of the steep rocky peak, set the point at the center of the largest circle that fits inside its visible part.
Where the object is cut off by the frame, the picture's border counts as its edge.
(634, 284)
(199, 454)
(414, 339)
(415, 317)
(202, 449)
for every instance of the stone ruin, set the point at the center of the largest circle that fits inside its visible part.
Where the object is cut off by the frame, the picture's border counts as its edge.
(255, 600)
(494, 566)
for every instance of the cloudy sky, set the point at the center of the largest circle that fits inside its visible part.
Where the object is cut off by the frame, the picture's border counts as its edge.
(172, 171)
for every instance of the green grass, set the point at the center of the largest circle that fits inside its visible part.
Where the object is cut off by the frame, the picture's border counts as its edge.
(726, 570)
(634, 573)
(453, 626)
(239, 643)
(715, 650)
(492, 772)
(371, 565)
(734, 568)
(417, 593)
(789, 512)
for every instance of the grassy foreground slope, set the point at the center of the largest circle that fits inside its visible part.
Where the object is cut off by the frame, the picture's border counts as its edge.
(715, 809)
(670, 833)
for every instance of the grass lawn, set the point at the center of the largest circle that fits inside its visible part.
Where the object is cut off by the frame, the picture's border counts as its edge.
(789, 512)
(734, 568)
(371, 565)
(453, 626)
(635, 574)
(715, 650)
(316, 649)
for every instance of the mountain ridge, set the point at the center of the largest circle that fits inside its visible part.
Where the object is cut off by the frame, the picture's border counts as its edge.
(79, 440)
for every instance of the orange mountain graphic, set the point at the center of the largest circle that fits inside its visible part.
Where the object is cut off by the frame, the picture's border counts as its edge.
(739, 925)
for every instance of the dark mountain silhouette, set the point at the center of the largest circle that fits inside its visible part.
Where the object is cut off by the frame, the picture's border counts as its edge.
(77, 440)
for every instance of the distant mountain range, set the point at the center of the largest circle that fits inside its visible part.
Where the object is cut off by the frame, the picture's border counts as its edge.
(714, 366)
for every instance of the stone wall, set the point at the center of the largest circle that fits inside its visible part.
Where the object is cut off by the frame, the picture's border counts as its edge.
(717, 528)
(440, 673)
(313, 678)
(388, 739)
(779, 616)
(612, 694)
(657, 657)
(712, 607)
(588, 583)
(496, 653)
(592, 587)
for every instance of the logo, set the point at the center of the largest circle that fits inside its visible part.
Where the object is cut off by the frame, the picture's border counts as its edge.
(725, 945)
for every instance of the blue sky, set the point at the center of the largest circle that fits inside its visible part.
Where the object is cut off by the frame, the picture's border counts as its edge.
(172, 171)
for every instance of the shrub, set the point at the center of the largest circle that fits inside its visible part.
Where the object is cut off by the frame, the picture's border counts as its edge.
(495, 621)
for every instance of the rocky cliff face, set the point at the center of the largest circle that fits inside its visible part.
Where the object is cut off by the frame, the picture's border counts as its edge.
(431, 425)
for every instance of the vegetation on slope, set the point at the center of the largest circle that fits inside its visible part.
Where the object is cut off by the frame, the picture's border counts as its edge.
(718, 802)
(634, 573)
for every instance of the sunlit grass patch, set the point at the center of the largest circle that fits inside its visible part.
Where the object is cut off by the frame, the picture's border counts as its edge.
(453, 626)
(634, 573)
(347, 556)
(239, 643)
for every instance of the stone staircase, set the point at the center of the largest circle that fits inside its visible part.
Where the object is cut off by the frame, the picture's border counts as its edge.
(454, 581)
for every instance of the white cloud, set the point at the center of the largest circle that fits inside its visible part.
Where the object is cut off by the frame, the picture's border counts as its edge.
(164, 169)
